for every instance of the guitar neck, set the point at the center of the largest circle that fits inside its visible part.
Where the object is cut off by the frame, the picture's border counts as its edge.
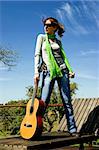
(34, 93)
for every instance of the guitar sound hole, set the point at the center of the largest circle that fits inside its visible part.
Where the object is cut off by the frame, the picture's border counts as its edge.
(31, 109)
(27, 125)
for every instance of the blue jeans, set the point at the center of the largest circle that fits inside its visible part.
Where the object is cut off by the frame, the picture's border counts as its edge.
(64, 88)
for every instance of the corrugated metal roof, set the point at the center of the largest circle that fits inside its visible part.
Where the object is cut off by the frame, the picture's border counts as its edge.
(82, 109)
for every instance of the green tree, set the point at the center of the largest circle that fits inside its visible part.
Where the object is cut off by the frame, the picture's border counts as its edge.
(8, 57)
(55, 96)
(11, 117)
(73, 88)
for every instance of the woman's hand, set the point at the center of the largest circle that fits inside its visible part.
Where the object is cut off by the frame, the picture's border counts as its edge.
(71, 74)
(36, 79)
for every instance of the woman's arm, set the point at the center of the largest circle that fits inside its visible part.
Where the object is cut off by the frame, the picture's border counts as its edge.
(37, 55)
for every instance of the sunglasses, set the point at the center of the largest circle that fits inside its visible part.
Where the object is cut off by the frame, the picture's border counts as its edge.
(53, 24)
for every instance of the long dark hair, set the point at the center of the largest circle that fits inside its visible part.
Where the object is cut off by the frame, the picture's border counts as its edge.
(60, 28)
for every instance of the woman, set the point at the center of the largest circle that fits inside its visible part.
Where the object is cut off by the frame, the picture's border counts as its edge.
(55, 66)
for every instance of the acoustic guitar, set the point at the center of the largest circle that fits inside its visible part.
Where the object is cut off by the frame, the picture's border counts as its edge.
(32, 123)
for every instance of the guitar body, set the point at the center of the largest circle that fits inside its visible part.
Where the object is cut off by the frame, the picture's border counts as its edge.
(32, 123)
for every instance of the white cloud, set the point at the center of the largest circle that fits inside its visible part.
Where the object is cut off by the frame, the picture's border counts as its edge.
(80, 16)
(96, 20)
(85, 53)
(81, 29)
(87, 76)
(60, 14)
(5, 79)
(67, 8)
(3, 68)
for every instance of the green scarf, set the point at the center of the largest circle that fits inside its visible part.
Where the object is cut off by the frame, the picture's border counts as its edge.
(55, 70)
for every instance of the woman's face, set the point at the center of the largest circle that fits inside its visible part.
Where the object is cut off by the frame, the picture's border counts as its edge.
(50, 26)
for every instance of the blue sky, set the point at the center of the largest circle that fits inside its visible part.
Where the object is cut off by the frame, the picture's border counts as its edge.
(21, 22)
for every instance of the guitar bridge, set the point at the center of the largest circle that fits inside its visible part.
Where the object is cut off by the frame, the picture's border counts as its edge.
(27, 125)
